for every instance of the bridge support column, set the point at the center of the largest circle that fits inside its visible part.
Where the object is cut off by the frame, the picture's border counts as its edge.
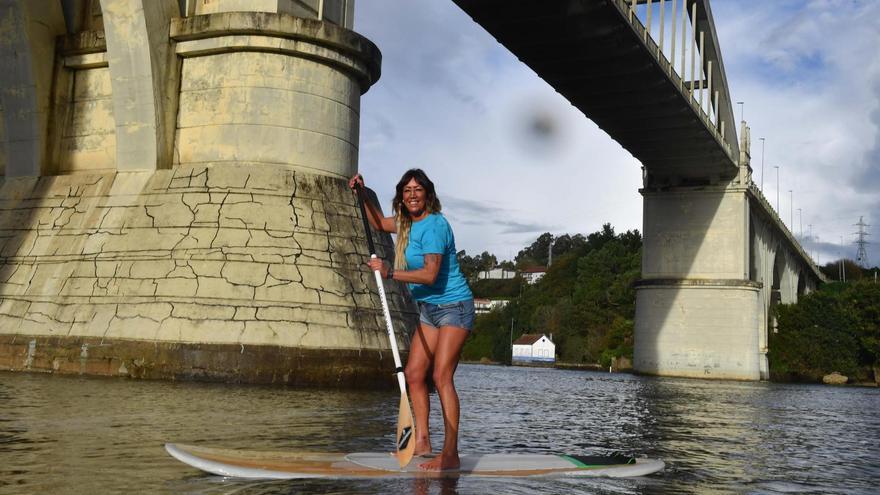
(29, 28)
(144, 74)
(696, 308)
(239, 257)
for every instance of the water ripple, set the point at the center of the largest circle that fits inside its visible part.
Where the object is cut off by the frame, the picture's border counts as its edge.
(89, 435)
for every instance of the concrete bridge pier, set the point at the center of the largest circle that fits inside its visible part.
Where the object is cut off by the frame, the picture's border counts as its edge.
(697, 310)
(174, 192)
(716, 260)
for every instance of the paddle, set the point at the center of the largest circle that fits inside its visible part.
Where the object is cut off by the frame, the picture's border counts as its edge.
(405, 428)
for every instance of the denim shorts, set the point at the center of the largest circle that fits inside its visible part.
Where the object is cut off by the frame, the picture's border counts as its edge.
(458, 314)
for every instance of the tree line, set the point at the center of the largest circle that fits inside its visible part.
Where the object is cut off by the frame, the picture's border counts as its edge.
(835, 328)
(586, 300)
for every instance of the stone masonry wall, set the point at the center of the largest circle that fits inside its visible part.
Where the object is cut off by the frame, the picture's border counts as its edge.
(175, 265)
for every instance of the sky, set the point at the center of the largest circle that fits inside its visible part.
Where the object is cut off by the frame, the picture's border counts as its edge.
(512, 159)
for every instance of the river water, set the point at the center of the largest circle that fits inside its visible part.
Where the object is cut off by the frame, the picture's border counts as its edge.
(61, 434)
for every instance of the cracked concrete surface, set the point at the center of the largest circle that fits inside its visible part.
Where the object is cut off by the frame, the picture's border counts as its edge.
(224, 255)
(201, 227)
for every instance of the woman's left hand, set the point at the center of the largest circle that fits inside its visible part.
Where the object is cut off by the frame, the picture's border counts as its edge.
(377, 264)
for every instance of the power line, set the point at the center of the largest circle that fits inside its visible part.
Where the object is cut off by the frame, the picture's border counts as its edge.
(862, 255)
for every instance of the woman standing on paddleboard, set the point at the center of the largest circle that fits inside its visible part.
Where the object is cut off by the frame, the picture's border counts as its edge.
(425, 258)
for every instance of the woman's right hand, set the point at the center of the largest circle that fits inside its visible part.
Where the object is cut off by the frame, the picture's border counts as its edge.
(354, 182)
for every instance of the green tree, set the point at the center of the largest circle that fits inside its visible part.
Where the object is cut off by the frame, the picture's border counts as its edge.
(507, 265)
(585, 300)
(836, 328)
(535, 254)
(583, 293)
(538, 253)
(471, 266)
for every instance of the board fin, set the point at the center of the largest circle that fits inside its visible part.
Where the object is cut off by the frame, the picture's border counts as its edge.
(615, 459)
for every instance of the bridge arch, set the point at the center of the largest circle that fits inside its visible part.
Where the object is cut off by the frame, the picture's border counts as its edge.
(801, 284)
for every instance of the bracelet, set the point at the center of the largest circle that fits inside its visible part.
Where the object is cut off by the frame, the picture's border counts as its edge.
(390, 275)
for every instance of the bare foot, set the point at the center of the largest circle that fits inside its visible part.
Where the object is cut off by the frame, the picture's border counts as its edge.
(443, 462)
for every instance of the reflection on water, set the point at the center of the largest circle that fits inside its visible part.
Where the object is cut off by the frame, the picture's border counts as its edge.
(93, 436)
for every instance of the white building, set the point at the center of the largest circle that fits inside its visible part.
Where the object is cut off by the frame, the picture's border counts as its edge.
(533, 273)
(534, 348)
(482, 306)
(496, 274)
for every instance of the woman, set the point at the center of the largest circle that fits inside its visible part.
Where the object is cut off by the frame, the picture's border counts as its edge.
(425, 258)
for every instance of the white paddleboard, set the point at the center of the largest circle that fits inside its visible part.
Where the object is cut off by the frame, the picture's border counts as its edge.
(292, 465)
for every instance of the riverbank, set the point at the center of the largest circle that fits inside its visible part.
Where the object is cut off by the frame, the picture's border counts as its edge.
(557, 365)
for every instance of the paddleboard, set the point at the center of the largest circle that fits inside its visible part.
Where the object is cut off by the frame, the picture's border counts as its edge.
(293, 465)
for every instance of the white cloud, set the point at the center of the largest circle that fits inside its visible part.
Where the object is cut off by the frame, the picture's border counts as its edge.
(808, 73)
(512, 159)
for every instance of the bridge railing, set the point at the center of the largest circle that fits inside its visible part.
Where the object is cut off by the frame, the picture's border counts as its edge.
(672, 32)
(793, 240)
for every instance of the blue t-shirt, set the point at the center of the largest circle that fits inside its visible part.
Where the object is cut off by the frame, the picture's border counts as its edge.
(433, 235)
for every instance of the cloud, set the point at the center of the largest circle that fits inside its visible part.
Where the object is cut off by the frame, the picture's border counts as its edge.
(471, 207)
(511, 158)
(525, 228)
(867, 179)
(482, 214)
(443, 58)
(809, 76)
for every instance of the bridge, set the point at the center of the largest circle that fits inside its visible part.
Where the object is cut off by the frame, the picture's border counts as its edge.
(173, 199)
(716, 255)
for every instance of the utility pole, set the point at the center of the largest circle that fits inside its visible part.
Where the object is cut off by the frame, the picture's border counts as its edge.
(550, 253)
(810, 235)
(801, 222)
(511, 340)
(862, 255)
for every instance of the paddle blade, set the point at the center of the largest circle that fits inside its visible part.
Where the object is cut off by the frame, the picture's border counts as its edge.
(406, 432)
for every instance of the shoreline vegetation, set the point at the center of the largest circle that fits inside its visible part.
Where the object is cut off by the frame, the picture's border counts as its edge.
(835, 329)
(585, 303)
(557, 365)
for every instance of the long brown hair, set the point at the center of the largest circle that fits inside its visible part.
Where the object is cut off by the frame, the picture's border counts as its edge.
(401, 214)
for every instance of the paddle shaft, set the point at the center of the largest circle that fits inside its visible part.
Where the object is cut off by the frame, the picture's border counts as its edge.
(379, 283)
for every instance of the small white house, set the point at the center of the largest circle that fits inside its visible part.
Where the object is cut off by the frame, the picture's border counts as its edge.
(533, 273)
(534, 348)
(496, 274)
(483, 306)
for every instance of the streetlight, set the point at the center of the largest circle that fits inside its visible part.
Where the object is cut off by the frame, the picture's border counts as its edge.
(801, 221)
(762, 163)
(791, 209)
(777, 188)
(742, 106)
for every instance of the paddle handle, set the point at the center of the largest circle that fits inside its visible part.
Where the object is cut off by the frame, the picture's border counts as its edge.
(397, 366)
(385, 311)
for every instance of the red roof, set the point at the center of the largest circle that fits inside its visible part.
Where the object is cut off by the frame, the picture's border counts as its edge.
(535, 269)
(528, 339)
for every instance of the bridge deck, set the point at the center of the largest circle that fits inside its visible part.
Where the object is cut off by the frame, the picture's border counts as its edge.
(588, 51)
